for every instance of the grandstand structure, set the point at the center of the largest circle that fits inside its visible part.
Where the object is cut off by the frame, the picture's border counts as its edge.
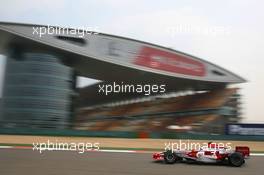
(43, 63)
(199, 112)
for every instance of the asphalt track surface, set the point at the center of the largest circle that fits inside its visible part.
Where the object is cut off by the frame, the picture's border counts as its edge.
(28, 162)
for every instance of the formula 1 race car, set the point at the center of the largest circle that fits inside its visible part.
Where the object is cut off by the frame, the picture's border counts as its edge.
(206, 154)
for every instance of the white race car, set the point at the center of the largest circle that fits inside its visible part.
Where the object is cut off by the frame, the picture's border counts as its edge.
(207, 154)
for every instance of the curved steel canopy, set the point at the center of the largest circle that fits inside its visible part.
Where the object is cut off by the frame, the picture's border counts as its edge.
(113, 58)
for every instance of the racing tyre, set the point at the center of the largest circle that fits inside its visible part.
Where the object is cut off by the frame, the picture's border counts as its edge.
(170, 157)
(236, 159)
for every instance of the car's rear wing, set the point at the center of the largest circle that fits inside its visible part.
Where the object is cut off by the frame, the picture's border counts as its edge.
(243, 150)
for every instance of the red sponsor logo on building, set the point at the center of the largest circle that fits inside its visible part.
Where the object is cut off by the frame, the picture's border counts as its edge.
(170, 62)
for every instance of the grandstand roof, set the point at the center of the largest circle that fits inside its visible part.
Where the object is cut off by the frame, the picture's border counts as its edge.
(114, 58)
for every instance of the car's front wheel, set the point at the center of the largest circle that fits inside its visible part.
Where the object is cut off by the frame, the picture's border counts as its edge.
(170, 157)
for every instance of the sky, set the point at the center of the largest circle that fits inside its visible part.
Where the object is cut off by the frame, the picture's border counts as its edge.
(229, 33)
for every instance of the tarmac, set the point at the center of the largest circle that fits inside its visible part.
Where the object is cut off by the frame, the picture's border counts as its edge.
(27, 162)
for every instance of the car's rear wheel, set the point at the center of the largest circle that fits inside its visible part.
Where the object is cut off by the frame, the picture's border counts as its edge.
(170, 157)
(236, 159)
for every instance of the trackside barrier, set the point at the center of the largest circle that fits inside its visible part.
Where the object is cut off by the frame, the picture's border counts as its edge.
(75, 133)
(205, 136)
(122, 134)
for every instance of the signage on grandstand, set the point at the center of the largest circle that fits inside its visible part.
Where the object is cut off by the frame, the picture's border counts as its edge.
(170, 62)
(245, 129)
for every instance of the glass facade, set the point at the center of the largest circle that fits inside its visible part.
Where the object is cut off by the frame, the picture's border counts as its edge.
(37, 92)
